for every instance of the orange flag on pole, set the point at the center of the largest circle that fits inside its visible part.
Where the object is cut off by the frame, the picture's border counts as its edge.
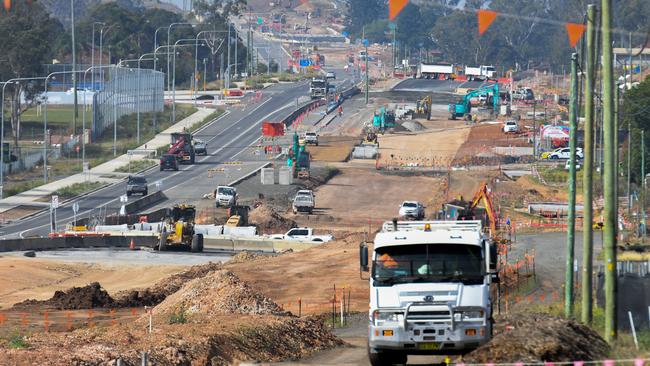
(7, 5)
(485, 19)
(575, 31)
(395, 7)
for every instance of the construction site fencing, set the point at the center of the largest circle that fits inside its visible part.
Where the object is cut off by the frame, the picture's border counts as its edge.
(126, 91)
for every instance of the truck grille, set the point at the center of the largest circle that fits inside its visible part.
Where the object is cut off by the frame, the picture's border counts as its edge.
(436, 316)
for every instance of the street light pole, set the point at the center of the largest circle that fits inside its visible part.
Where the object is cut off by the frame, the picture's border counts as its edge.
(92, 57)
(74, 75)
(196, 57)
(169, 28)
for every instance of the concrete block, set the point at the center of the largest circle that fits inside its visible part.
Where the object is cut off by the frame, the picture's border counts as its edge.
(285, 176)
(268, 175)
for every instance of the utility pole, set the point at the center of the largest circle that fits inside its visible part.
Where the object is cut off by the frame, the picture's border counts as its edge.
(643, 182)
(629, 170)
(365, 41)
(74, 74)
(568, 276)
(609, 188)
(588, 170)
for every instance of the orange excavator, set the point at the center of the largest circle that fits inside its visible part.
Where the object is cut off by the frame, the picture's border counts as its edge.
(482, 196)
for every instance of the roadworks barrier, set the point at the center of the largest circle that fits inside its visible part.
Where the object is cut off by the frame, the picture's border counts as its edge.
(365, 152)
(70, 242)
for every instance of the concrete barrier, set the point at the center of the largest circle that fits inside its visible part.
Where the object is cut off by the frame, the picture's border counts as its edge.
(73, 242)
(148, 200)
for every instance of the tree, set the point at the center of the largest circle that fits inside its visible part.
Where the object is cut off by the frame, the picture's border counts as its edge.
(31, 34)
(636, 112)
(362, 13)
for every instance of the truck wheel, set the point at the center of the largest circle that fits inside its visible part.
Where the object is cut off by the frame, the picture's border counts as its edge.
(197, 243)
(387, 358)
(452, 117)
(192, 159)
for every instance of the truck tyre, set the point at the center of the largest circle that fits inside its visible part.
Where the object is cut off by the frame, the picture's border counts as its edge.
(387, 358)
(128, 194)
(145, 193)
(452, 116)
(192, 158)
(197, 243)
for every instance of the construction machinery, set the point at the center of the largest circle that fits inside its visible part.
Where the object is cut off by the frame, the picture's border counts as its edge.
(463, 107)
(462, 210)
(385, 119)
(423, 108)
(237, 215)
(182, 147)
(178, 230)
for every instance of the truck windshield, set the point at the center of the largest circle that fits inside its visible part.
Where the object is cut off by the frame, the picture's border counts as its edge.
(226, 191)
(318, 84)
(428, 263)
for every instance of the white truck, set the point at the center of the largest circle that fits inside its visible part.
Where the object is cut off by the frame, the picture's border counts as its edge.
(225, 196)
(429, 289)
(302, 234)
(435, 71)
(482, 72)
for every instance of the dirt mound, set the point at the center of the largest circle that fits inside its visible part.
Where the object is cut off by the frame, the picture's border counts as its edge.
(246, 256)
(159, 292)
(220, 292)
(268, 220)
(87, 297)
(413, 126)
(540, 338)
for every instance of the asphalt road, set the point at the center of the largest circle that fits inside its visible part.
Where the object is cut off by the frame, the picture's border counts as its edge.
(227, 138)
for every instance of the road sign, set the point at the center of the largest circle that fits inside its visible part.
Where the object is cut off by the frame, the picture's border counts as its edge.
(124, 198)
(345, 34)
(392, 26)
(158, 184)
(305, 62)
(260, 21)
(75, 207)
(55, 201)
(365, 42)
(86, 167)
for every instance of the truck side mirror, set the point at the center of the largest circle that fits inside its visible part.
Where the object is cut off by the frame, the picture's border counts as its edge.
(363, 257)
(495, 277)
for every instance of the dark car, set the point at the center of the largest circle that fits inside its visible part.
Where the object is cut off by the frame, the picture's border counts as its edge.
(136, 184)
(200, 147)
(168, 161)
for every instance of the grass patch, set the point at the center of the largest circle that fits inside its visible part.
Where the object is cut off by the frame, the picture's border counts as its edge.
(178, 317)
(17, 341)
(76, 189)
(136, 166)
(14, 188)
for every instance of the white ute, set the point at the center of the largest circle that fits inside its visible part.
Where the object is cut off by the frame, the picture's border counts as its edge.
(302, 234)
(411, 209)
(225, 196)
(429, 289)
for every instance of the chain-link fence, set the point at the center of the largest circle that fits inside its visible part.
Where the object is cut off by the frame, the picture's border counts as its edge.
(126, 91)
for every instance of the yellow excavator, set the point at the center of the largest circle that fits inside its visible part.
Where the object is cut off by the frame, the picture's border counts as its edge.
(178, 230)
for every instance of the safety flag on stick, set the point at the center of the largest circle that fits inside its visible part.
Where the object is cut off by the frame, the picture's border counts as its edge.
(7, 5)
(575, 31)
(485, 19)
(395, 7)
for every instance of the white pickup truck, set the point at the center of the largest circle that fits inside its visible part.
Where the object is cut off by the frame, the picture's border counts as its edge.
(302, 234)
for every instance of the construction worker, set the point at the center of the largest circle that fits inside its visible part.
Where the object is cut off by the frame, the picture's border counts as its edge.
(340, 110)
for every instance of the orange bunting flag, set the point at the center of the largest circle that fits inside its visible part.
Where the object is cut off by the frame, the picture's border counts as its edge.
(395, 7)
(485, 19)
(7, 5)
(575, 31)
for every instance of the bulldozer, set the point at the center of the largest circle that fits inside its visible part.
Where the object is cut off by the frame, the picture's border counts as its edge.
(178, 230)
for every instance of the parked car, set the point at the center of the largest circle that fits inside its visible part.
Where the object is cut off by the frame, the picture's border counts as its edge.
(311, 138)
(565, 153)
(136, 184)
(302, 234)
(411, 209)
(330, 75)
(510, 126)
(168, 162)
(200, 147)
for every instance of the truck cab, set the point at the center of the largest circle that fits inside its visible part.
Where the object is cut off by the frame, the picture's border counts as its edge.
(429, 289)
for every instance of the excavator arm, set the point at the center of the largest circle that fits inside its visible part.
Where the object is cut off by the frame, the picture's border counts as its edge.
(482, 195)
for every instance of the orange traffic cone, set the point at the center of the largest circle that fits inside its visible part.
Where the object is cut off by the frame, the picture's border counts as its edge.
(132, 245)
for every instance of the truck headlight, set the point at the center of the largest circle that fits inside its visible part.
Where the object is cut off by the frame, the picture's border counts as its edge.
(387, 317)
(469, 315)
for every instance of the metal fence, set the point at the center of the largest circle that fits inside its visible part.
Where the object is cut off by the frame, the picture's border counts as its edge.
(126, 91)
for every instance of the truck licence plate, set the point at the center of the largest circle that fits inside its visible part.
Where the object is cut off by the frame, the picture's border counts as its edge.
(428, 346)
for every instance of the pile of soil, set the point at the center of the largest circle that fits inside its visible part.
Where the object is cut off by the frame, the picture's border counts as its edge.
(220, 292)
(87, 297)
(246, 256)
(268, 220)
(538, 338)
(413, 126)
(157, 293)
